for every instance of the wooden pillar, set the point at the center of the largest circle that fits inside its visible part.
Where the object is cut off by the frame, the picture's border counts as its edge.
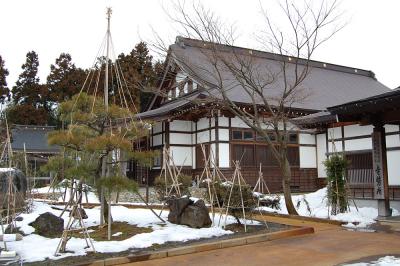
(379, 159)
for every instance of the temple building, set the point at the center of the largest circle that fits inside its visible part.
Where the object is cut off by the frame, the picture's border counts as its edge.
(184, 119)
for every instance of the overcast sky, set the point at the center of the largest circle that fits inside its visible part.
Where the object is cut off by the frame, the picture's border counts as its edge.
(371, 40)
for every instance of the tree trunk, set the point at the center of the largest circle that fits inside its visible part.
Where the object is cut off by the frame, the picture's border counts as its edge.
(286, 176)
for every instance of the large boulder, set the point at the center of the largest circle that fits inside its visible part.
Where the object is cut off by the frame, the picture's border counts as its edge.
(48, 224)
(187, 212)
(176, 207)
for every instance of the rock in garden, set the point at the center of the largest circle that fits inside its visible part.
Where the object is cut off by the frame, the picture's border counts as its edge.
(48, 224)
(196, 215)
(185, 211)
(176, 208)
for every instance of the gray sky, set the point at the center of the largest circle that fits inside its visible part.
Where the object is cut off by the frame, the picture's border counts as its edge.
(369, 41)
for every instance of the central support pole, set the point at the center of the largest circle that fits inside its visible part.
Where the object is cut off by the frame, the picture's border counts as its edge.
(105, 158)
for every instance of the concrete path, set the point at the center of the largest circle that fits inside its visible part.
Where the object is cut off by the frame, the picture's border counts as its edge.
(330, 245)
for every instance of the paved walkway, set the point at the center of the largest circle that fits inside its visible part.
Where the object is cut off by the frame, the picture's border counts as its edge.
(330, 245)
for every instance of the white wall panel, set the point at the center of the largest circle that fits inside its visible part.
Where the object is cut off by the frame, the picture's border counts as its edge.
(212, 121)
(391, 128)
(182, 155)
(157, 140)
(203, 136)
(337, 148)
(223, 134)
(194, 157)
(223, 155)
(358, 144)
(393, 160)
(356, 130)
(212, 134)
(223, 121)
(203, 123)
(180, 138)
(308, 157)
(321, 154)
(180, 125)
(213, 153)
(157, 127)
(306, 138)
(237, 122)
(334, 133)
(393, 141)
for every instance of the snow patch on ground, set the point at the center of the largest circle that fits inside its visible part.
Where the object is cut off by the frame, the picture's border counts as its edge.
(315, 205)
(37, 248)
(384, 261)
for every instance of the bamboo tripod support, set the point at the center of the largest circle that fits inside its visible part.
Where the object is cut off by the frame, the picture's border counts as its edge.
(75, 218)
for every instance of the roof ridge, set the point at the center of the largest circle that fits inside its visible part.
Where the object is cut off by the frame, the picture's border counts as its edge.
(183, 41)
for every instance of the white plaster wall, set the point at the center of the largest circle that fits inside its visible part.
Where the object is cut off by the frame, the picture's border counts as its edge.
(157, 127)
(212, 153)
(308, 157)
(157, 140)
(180, 125)
(391, 128)
(306, 138)
(356, 130)
(202, 123)
(338, 146)
(203, 136)
(194, 138)
(193, 157)
(393, 141)
(237, 122)
(212, 121)
(223, 121)
(358, 144)
(182, 155)
(223, 134)
(393, 161)
(223, 155)
(334, 133)
(212, 134)
(321, 154)
(180, 138)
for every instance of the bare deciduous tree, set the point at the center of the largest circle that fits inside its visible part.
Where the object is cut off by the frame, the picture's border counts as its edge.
(270, 94)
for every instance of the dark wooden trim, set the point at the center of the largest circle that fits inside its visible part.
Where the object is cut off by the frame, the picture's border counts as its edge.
(343, 141)
(362, 137)
(306, 145)
(181, 145)
(167, 135)
(180, 132)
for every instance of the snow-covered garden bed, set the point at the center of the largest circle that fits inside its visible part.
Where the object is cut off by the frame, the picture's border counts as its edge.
(34, 247)
(315, 205)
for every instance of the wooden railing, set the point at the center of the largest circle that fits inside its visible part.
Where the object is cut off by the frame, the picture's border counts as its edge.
(360, 176)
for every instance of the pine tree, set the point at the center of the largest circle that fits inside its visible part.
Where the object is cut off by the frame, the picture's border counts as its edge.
(29, 97)
(64, 80)
(4, 90)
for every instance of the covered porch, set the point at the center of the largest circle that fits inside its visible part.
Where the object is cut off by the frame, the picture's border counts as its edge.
(377, 111)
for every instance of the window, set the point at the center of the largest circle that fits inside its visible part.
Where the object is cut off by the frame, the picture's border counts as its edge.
(248, 135)
(271, 136)
(292, 137)
(242, 135)
(237, 135)
(244, 154)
